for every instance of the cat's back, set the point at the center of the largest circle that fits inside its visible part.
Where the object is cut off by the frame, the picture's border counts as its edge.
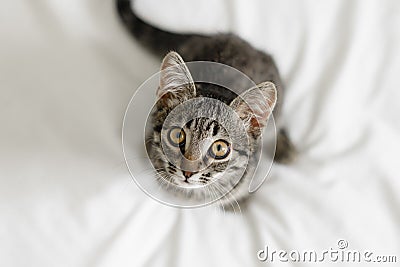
(231, 50)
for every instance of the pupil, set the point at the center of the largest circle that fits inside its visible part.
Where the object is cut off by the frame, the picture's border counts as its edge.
(219, 147)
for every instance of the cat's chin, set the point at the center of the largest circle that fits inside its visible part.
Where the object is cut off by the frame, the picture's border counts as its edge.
(186, 185)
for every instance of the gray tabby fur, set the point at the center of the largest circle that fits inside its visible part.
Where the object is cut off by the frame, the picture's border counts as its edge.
(177, 86)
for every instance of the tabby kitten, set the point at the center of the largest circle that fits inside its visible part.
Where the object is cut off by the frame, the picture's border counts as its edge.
(203, 145)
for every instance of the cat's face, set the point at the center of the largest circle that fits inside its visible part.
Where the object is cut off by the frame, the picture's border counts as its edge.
(200, 152)
(194, 152)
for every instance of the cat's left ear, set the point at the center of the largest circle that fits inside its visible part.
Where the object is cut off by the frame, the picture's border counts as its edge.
(175, 78)
(255, 105)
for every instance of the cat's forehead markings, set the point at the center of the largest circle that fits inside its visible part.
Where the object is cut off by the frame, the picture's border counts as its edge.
(189, 123)
(215, 129)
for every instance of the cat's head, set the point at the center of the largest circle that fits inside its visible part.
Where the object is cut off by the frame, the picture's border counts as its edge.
(201, 150)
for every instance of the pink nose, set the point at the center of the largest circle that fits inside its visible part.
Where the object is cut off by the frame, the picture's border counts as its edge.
(187, 174)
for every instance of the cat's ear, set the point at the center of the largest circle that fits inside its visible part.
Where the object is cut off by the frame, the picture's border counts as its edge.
(175, 78)
(255, 105)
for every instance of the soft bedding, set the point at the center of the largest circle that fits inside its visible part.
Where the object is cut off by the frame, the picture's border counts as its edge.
(67, 72)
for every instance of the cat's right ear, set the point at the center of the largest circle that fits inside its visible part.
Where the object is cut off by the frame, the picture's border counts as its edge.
(175, 79)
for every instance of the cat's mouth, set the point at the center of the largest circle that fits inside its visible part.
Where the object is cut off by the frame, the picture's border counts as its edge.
(190, 180)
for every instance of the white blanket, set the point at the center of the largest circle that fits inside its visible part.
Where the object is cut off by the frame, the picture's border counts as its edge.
(67, 72)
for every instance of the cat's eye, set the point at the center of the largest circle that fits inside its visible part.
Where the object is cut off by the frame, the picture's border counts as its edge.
(219, 149)
(176, 136)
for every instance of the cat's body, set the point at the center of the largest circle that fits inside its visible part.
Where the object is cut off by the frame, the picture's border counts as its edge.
(227, 49)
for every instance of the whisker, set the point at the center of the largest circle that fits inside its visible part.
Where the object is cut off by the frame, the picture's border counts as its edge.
(219, 203)
(232, 197)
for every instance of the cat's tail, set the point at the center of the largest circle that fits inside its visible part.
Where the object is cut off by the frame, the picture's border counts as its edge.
(156, 40)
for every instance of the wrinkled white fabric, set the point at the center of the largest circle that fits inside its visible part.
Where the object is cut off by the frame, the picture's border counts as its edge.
(68, 70)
